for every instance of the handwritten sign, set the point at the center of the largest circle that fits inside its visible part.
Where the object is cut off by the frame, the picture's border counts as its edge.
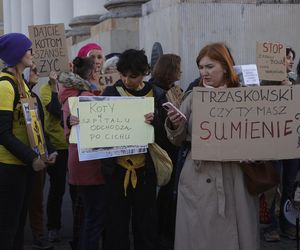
(270, 60)
(108, 79)
(114, 121)
(250, 123)
(49, 48)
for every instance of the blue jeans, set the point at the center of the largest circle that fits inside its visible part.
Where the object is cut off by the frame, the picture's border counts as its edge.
(95, 207)
(15, 188)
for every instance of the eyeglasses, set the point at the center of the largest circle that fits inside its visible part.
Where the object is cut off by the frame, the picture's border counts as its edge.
(30, 50)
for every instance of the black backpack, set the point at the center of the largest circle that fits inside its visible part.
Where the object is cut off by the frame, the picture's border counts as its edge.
(17, 94)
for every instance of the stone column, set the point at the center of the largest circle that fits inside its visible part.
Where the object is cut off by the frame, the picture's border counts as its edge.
(1, 18)
(119, 28)
(7, 15)
(15, 15)
(27, 15)
(41, 14)
(85, 14)
(123, 8)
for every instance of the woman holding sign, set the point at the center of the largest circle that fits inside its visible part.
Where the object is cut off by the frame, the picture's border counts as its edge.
(132, 194)
(17, 158)
(214, 208)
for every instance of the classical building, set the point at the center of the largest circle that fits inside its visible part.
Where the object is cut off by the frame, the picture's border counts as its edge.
(181, 26)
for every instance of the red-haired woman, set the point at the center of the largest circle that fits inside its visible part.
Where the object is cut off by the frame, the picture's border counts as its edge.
(214, 208)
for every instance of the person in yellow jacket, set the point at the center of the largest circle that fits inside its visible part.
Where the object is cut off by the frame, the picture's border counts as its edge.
(17, 158)
(57, 172)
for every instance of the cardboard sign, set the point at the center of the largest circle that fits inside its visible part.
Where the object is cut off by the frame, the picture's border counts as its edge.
(270, 60)
(114, 121)
(49, 47)
(109, 79)
(34, 127)
(250, 123)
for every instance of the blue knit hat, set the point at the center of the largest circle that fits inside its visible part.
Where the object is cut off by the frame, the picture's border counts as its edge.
(13, 47)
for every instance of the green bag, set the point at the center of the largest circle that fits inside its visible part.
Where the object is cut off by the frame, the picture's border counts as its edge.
(162, 163)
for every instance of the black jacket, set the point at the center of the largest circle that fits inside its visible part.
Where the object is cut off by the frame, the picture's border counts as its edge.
(159, 113)
(22, 151)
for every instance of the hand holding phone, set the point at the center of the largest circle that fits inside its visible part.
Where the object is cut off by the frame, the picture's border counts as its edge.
(173, 111)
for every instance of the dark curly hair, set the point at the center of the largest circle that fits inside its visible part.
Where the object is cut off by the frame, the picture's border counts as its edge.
(134, 62)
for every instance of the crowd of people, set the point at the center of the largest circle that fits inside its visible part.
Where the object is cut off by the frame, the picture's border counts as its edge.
(205, 205)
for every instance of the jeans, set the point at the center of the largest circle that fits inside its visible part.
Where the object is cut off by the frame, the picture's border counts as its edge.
(15, 189)
(57, 174)
(94, 204)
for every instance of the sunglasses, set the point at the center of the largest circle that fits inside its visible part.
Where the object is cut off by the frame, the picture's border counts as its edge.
(30, 50)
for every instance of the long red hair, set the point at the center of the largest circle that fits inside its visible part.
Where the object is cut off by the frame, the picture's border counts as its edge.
(219, 52)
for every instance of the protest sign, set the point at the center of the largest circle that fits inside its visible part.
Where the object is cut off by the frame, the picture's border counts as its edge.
(114, 121)
(270, 60)
(250, 123)
(49, 48)
(87, 154)
(109, 79)
(248, 74)
(34, 127)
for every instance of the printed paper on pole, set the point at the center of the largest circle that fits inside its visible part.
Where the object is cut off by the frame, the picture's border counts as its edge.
(270, 60)
(49, 47)
(35, 132)
(250, 123)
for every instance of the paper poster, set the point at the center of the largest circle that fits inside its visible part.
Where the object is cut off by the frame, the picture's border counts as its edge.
(114, 121)
(248, 74)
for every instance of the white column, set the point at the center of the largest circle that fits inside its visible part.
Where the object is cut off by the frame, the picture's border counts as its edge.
(41, 13)
(6, 16)
(61, 11)
(27, 15)
(86, 7)
(15, 14)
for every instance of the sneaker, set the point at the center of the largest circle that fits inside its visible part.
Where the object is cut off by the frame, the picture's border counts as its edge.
(271, 236)
(40, 243)
(53, 235)
(289, 232)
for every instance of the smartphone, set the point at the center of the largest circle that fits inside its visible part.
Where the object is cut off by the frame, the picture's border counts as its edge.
(169, 106)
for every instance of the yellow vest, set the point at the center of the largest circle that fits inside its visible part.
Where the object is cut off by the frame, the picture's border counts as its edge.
(132, 162)
(52, 125)
(7, 97)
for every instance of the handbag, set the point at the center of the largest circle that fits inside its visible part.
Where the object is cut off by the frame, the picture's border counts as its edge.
(259, 176)
(162, 163)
